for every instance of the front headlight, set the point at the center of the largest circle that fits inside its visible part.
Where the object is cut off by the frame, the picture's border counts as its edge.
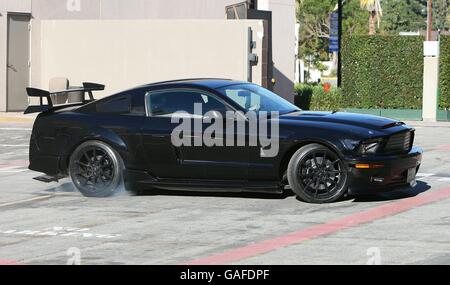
(370, 147)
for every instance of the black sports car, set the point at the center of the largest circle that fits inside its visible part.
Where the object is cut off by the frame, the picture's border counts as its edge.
(126, 139)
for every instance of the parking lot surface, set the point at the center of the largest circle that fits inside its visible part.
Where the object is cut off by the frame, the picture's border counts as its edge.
(53, 224)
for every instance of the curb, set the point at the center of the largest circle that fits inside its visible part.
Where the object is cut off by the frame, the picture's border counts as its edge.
(428, 124)
(16, 120)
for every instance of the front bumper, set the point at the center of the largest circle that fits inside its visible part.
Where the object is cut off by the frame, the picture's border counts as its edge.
(391, 172)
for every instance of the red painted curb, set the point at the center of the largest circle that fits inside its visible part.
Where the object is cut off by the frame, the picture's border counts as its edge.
(443, 148)
(8, 262)
(353, 220)
(14, 163)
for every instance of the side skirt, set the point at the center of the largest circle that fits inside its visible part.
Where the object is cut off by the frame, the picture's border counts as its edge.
(141, 179)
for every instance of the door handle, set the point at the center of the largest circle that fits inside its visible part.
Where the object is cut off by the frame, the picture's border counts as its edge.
(12, 67)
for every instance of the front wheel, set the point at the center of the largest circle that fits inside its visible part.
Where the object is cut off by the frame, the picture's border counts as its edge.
(317, 174)
(96, 170)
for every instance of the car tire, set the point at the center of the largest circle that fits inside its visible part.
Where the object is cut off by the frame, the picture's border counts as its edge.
(96, 170)
(316, 174)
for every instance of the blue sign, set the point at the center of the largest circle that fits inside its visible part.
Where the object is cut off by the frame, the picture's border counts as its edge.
(334, 33)
(334, 45)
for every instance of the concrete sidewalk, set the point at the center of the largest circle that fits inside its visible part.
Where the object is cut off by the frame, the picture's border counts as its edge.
(428, 124)
(40, 222)
(16, 117)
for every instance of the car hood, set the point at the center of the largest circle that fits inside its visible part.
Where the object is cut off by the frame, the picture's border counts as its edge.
(343, 118)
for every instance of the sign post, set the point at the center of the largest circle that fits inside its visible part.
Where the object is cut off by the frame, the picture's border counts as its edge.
(334, 40)
(339, 53)
(334, 33)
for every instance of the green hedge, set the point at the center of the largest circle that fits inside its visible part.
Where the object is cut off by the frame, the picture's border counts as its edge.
(382, 72)
(379, 72)
(444, 76)
(314, 98)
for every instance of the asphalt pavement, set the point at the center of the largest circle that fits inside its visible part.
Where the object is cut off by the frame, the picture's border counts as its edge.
(53, 224)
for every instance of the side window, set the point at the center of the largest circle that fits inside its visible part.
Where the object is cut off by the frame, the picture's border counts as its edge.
(119, 105)
(168, 102)
(245, 98)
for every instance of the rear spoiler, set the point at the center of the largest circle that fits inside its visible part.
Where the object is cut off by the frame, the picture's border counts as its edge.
(87, 88)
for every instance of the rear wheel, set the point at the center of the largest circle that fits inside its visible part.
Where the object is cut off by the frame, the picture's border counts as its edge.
(317, 174)
(96, 170)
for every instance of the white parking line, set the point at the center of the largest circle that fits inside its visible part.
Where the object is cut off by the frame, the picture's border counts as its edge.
(425, 174)
(15, 129)
(13, 169)
(61, 232)
(438, 177)
(10, 168)
(26, 200)
(14, 145)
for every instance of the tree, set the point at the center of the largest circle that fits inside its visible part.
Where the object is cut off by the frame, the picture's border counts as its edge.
(448, 15)
(411, 15)
(354, 20)
(375, 13)
(404, 16)
(441, 14)
(313, 17)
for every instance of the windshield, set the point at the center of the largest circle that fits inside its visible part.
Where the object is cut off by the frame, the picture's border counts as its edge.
(252, 97)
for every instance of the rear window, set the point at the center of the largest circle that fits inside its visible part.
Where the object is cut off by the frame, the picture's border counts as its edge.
(120, 105)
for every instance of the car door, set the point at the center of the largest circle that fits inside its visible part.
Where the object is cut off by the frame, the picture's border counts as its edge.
(261, 165)
(189, 160)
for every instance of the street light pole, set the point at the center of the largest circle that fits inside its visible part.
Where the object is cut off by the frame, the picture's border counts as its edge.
(429, 19)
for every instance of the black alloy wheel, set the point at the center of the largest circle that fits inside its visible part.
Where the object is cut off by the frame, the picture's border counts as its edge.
(96, 169)
(317, 174)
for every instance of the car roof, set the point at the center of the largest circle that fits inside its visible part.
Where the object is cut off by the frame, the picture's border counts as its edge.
(212, 83)
(209, 83)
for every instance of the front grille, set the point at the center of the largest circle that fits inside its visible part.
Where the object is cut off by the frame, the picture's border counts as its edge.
(399, 143)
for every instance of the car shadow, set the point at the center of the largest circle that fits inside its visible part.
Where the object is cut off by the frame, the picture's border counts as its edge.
(248, 195)
(404, 193)
(421, 187)
(66, 187)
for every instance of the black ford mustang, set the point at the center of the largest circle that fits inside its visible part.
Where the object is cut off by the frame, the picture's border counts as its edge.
(124, 141)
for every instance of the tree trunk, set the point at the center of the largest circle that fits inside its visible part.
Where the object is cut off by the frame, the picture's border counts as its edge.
(372, 16)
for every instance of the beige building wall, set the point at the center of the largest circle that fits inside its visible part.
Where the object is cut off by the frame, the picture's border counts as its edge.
(130, 9)
(126, 53)
(283, 44)
(283, 13)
